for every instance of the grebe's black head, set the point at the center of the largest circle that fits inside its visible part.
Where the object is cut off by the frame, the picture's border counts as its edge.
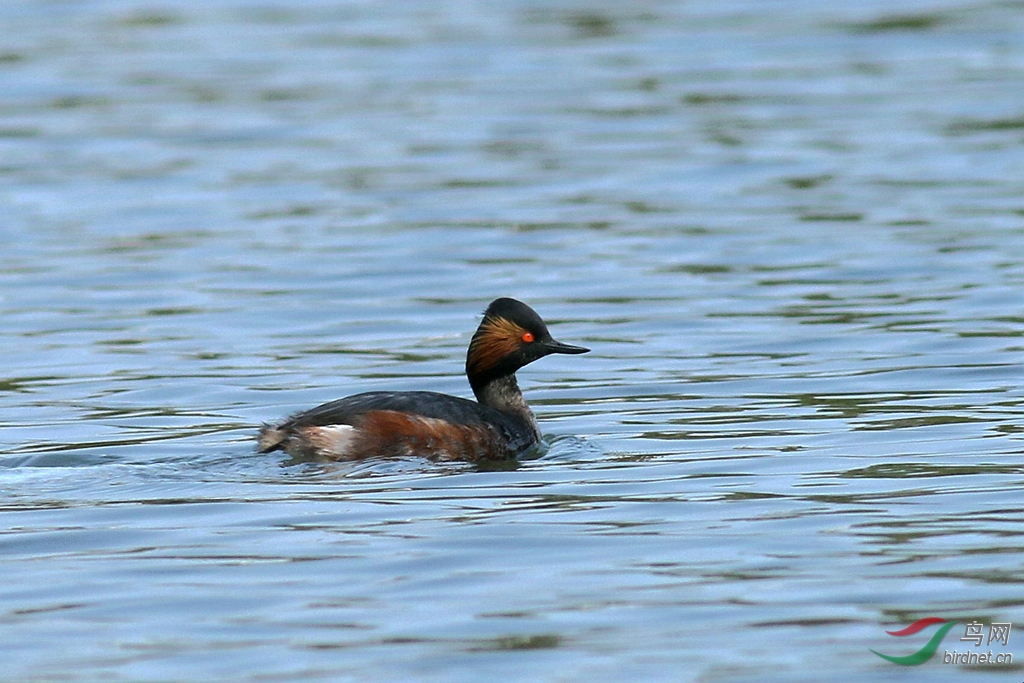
(510, 336)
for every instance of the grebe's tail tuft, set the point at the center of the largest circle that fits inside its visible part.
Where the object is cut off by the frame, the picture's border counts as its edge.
(271, 438)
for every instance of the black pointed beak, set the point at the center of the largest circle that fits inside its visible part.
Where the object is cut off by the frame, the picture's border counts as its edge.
(552, 346)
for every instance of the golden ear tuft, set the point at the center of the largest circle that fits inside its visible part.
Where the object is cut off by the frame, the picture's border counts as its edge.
(496, 339)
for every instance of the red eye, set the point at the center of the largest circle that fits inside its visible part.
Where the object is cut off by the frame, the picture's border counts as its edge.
(527, 337)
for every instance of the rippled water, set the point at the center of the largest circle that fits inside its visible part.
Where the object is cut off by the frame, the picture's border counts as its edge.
(792, 232)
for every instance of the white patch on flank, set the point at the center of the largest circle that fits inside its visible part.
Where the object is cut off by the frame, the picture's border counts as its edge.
(332, 440)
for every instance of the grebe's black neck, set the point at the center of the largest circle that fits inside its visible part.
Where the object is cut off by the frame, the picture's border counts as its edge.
(502, 393)
(510, 336)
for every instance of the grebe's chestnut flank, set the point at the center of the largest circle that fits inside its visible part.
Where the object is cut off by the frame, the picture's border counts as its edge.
(498, 425)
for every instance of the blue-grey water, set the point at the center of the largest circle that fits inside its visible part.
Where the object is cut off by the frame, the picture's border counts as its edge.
(792, 232)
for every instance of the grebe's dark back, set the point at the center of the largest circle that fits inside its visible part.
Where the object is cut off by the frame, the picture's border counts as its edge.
(498, 425)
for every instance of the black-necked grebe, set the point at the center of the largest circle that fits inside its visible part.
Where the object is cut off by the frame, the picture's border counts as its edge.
(498, 425)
